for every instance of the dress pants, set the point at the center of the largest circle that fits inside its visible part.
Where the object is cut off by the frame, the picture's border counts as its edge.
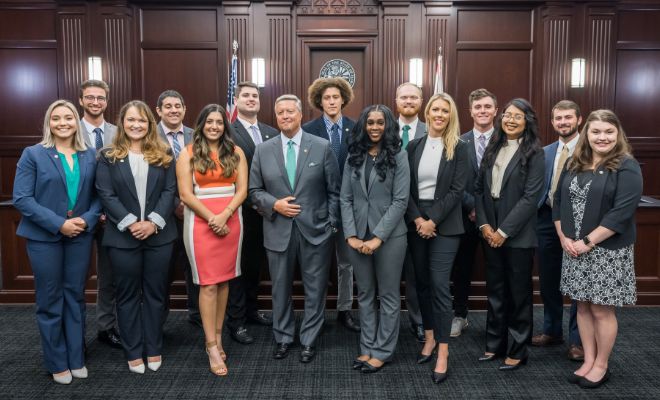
(379, 275)
(105, 297)
(433, 260)
(344, 273)
(244, 289)
(314, 261)
(142, 279)
(550, 259)
(509, 289)
(60, 272)
(463, 269)
(412, 301)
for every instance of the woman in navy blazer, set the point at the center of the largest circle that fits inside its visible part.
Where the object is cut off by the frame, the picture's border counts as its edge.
(594, 213)
(438, 170)
(54, 191)
(507, 190)
(136, 182)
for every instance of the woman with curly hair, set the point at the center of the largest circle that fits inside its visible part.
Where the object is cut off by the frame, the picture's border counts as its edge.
(439, 167)
(135, 180)
(212, 176)
(373, 199)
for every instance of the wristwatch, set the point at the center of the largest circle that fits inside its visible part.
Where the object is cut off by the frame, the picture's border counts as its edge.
(587, 241)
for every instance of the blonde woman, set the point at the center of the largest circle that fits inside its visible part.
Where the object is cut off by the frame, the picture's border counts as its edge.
(438, 169)
(136, 182)
(54, 191)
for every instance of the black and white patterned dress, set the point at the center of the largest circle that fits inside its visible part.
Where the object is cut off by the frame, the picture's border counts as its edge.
(600, 276)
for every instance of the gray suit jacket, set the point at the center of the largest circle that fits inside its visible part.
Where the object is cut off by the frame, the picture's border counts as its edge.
(316, 190)
(420, 131)
(109, 132)
(187, 134)
(378, 208)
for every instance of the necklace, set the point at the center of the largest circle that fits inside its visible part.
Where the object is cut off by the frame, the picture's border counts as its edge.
(373, 156)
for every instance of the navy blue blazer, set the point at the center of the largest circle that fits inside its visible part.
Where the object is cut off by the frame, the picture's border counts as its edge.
(317, 128)
(550, 151)
(40, 193)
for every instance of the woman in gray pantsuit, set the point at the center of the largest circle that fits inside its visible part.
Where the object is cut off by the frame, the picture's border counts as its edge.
(374, 197)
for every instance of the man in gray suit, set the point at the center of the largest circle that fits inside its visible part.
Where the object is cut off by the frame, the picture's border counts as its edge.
(98, 134)
(408, 104)
(294, 182)
(171, 109)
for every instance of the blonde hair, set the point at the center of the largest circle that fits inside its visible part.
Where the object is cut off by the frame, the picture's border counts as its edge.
(451, 135)
(154, 149)
(78, 139)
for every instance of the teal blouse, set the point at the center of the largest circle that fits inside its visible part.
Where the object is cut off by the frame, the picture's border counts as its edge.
(72, 176)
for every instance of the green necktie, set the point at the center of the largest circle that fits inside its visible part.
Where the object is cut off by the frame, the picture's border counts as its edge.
(291, 162)
(405, 138)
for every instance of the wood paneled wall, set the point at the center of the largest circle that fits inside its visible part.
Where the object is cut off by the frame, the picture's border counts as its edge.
(515, 49)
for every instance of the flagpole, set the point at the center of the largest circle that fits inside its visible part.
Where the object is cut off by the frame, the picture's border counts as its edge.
(232, 111)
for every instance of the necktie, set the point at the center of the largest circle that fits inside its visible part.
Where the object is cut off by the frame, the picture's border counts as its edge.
(405, 138)
(255, 134)
(555, 177)
(99, 138)
(335, 140)
(176, 146)
(291, 162)
(481, 148)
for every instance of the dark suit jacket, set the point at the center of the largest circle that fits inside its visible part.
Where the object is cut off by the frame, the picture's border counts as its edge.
(449, 187)
(317, 128)
(116, 188)
(40, 193)
(611, 202)
(549, 152)
(516, 208)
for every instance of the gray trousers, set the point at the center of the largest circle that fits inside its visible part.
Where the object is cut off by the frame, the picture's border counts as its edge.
(412, 303)
(344, 273)
(106, 313)
(314, 267)
(379, 275)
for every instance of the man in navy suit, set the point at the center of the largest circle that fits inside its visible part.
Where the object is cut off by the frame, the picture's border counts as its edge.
(171, 109)
(242, 304)
(566, 119)
(330, 96)
(98, 134)
(483, 109)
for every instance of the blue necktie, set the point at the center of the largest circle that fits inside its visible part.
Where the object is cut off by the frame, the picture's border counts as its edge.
(176, 146)
(481, 147)
(335, 140)
(291, 162)
(98, 139)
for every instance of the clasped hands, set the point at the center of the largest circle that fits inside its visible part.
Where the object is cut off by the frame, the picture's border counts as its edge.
(73, 227)
(218, 223)
(141, 230)
(366, 247)
(574, 247)
(493, 237)
(425, 228)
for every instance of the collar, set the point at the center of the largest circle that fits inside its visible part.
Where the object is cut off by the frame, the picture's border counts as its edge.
(487, 134)
(247, 124)
(168, 130)
(571, 144)
(297, 138)
(329, 123)
(412, 125)
(90, 128)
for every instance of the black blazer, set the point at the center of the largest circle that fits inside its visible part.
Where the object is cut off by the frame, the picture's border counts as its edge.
(317, 128)
(452, 176)
(517, 205)
(611, 202)
(116, 189)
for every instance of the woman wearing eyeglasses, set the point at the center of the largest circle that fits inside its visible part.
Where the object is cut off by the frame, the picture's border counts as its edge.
(506, 192)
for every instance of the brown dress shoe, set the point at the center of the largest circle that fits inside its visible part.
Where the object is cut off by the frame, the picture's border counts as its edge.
(575, 353)
(546, 340)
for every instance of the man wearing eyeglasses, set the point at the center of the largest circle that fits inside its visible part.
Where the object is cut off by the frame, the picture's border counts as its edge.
(98, 134)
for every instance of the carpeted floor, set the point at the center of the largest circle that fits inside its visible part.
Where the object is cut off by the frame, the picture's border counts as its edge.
(253, 374)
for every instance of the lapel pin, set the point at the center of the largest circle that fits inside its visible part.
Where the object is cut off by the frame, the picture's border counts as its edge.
(305, 151)
(312, 164)
(122, 160)
(600, 172)
(56, 156)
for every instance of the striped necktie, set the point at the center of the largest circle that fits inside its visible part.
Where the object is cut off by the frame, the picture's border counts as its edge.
(481, 148)
(176, 146)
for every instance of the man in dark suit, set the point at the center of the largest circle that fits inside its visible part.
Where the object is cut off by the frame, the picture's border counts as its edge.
(98, 134)
(483, 109)
(566, 119)
(330, 96)
(171, 109)
(408, 104)
(294, 182)
(242, 304)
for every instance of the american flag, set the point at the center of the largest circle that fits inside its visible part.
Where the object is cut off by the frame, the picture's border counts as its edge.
(232, 111)
(439, 75)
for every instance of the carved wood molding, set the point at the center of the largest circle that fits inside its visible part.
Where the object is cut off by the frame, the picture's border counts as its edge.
(341, 7)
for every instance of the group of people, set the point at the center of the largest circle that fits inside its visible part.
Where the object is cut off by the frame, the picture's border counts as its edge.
(387, 195)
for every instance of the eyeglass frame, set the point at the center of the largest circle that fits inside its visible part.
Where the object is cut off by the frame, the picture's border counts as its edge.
(100, 99)
(516, 117)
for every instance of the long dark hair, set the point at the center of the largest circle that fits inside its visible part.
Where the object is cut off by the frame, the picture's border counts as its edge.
(201, 159)
(529, 140)
(359, 142)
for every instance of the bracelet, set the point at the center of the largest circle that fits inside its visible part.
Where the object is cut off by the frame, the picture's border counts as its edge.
(231, 210)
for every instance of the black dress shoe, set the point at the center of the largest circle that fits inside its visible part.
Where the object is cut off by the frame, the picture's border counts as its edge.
(439, 377)
(260, 318)
(507, 367)
(346, 319)
(281, 351)
(307, 354)
(241, 335)
(370, 369)
(587, 384)
(110, 337)
(488, 357)
(418, 332)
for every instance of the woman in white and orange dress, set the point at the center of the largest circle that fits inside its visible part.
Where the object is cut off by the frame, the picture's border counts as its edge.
(212, 176)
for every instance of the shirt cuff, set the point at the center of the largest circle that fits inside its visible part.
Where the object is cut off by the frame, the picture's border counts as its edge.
(156, 219)
(126, 222)
(501, 232)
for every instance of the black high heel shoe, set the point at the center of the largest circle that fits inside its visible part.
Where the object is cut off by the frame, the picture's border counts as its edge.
(370, 369)
(487, 357)
(574, 379)
(439, 377)
(507, 367)
(424, 358)
(587, 384)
